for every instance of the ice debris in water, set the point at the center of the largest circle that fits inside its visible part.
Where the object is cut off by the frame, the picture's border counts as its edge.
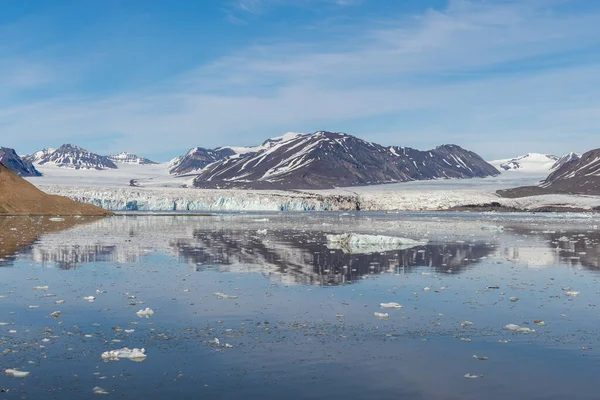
(261, 232)
(132, 354)
(59, 301)
(99, 390)
(539, 322)
(357, 243)
(16, 373)
(224, 296)
(215, 341)
(390, 305)
(426, 289)
(469, 376)
(479, 358)
(381, 315)
(518, 329)
(89, 298)
(57, 219)
(55, 314)
(572, 293)
(465, 323)
(148, 312)
(514, 299)
(494, 228)
(40, 288)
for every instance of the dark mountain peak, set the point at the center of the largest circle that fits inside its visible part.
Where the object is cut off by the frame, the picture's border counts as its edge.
(11, 160)
(72, 156)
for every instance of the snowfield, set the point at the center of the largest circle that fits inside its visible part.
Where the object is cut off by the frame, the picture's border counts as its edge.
(160, 191)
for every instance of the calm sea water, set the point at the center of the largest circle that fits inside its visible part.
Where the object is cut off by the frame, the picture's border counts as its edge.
(302, 323)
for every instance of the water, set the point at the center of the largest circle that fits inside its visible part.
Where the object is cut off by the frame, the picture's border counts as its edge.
(302, 325)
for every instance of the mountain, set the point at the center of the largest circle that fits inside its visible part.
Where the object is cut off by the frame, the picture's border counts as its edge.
(17, 196)
(566, 159)
(577, 176)
(128, 158)
(12, 161)
(196, 159)
(324, 160)
(71, 156)
(529, 163)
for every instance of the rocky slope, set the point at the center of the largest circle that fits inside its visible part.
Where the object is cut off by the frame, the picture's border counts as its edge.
(577, 176)
(19, 197)
(10, 159)
(325, 160)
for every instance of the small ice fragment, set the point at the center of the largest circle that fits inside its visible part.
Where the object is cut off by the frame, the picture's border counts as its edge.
(40, 288)
(224, 296)
(426, 289)
(215, 341)
(518, 329)
(465, 323)
(57, 219)
(465, 340)
(479, 358)
(59, 301)
(390, 305)
(16, 373)
(539, 322)
(55, 314)
(129, 330)
(381, 315)
(32, 307)
(228, 346)
(132, 354)
(148, 312)
(572, 293)
(99, 390)
(98, 291)
(12, 331)
(514, 299)
(496, 228)
(261, 232)
(89, 298)
(469, 376)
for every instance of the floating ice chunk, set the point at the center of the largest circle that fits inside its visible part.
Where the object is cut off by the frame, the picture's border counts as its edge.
(465, 323)
(16, 373)
(358, 243)
(261, 232)
(467, 340)
(89, 298)
(514, 299)
(129, 330)
(390, 305)
(32, 307)
(215, 341)
(381, 315)
(59, 301)
(57, 219)
(469, 376)
(148, 312)
(132, 354)
(494, 228)
(426, 289)
(99, 390)
(572, 293)
(228, 346)
(55, 314)
(224, 296)
(480, 358)
(40, 288)
(4, 323)
(539, 322)
(518, 329)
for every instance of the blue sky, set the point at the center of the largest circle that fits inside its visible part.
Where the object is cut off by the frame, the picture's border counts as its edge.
(499, 77)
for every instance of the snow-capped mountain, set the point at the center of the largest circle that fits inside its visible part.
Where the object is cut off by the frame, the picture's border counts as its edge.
(128, 158)
(566, 159)
(196, 159)
(325, 160)
(529, 163)
(71, 156)
(10, 159)
(265, 145)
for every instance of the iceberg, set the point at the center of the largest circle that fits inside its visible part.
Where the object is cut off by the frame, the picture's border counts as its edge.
(131, 354)
(16, 373)
(518, 329)
(148, 312)
(353, 243)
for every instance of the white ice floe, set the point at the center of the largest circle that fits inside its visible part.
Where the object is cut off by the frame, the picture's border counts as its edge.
(470, 376)
(572, 293)
(390, 305)
(89, 298)
(518, 329)
(493, 228)
(59, 301)
(40, 288)
(16, 373)
(480, 358)
(358, 243)
(514, 299)
(57, 219)
(99, 390)
(465, 324)
(147, 312)
(381, 315)
(224, 296)
(55, 314)
(131, 354)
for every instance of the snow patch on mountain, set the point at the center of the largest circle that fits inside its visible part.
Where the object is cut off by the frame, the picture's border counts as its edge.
(128, 158)
(71, 156)
(533, 163)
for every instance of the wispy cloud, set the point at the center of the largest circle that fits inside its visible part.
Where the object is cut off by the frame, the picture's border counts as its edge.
(484, 75)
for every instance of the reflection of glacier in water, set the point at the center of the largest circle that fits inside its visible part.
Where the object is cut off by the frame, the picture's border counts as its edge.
(295, 249)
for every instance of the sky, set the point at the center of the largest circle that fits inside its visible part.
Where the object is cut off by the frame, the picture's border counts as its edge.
(498, 77)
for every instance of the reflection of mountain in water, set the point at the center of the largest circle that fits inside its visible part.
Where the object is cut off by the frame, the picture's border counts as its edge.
(299, 257)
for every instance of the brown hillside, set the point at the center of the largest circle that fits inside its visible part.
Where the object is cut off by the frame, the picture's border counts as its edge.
(19, 197)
